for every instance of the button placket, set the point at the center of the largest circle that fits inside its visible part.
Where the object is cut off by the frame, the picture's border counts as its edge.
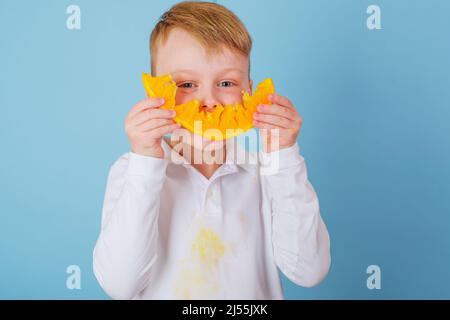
(211, 201)
(212, 204)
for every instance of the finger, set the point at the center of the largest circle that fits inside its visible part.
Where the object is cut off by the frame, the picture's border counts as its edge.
(153, 124)
(149, 114)
(283, 101)
(161, 131)
(264, 125)
(145, 104)
(274, 120)
(278, 110)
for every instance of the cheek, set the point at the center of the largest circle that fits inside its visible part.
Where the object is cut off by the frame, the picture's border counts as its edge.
(231, 97)
(183, 97)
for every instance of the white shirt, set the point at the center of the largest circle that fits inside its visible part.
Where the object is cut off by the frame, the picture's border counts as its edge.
(170, 233)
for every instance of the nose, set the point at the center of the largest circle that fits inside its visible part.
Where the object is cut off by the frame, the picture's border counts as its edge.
(208, 100)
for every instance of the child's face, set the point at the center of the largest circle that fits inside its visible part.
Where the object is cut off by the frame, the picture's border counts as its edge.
(211, 79)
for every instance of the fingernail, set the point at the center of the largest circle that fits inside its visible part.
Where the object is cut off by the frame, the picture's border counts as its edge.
(260, 108)
(162, 100)
(255, 115)
(173, 113)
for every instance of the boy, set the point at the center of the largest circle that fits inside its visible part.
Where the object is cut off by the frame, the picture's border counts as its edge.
(173, 228)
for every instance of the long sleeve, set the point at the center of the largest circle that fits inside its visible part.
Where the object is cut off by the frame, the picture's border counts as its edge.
(300, 239)
(126, 248)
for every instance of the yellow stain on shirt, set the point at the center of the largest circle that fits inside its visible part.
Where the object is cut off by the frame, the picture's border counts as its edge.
(207, 247)
(199, 277)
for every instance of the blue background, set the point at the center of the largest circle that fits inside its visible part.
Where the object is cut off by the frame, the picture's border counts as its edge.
(376, 133)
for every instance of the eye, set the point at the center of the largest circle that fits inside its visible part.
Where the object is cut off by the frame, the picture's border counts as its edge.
(186, 85)
(226, 84)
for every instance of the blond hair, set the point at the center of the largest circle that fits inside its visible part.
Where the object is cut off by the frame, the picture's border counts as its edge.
(213, 25)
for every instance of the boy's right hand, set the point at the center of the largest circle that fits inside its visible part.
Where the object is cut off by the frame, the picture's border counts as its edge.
(146, 124)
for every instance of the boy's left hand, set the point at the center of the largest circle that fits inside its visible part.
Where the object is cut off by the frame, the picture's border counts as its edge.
(281, 115)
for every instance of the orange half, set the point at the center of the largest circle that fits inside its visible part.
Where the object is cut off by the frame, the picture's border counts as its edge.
(224, 122)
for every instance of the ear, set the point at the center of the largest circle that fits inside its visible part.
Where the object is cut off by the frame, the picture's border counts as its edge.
(250, 86)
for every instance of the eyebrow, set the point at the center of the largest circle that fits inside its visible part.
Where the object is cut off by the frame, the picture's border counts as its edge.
(191, 71)
(183, 71)
(232, 70)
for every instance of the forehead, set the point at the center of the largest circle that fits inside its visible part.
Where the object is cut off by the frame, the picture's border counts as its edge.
(182, 51)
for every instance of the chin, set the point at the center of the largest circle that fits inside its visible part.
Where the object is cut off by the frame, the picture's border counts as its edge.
(196, 141)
